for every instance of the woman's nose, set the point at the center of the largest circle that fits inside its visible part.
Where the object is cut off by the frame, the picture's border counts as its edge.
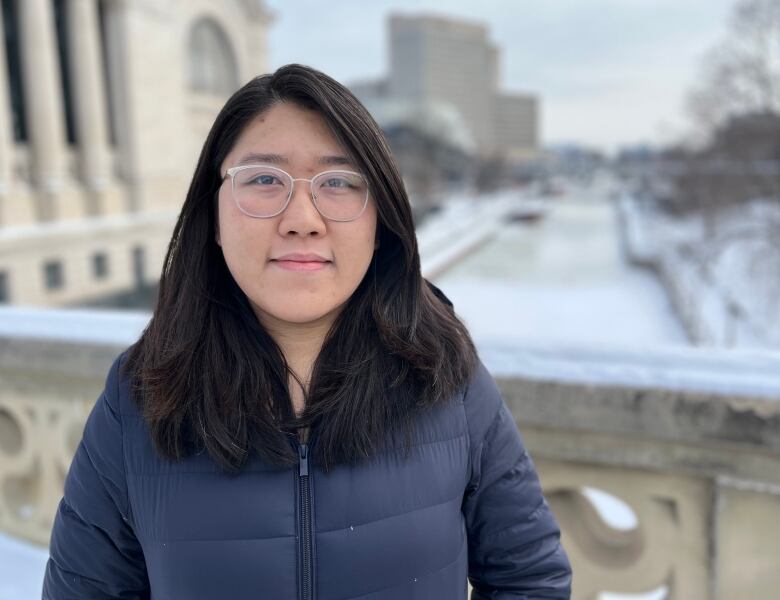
(301, 217)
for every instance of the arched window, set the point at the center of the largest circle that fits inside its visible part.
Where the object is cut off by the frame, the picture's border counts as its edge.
(212, 65)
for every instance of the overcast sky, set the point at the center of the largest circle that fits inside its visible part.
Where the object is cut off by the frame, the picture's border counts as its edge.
(608, 72)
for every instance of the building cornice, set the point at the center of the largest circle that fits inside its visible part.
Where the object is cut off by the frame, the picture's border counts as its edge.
(257, 11)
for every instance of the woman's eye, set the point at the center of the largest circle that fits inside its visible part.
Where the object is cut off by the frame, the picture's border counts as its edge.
(267, 180)
(336, 182)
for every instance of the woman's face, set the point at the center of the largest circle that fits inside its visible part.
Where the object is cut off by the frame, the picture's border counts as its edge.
(282, 292)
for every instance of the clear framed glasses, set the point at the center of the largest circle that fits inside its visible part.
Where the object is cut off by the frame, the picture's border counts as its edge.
(263, 191)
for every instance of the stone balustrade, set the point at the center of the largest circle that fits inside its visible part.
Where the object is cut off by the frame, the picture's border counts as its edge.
(699, 469)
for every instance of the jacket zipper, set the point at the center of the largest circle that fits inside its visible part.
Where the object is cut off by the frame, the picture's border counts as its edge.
(304, 523)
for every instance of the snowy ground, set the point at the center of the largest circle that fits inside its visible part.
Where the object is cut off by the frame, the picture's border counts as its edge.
(21, 569)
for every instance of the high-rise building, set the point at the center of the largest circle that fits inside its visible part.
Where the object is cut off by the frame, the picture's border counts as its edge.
(439, 59)
(435, 59)
(104, 106)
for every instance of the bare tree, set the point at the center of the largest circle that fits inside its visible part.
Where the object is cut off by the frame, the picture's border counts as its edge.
(737, 108)
(742, 74)
(730, 181)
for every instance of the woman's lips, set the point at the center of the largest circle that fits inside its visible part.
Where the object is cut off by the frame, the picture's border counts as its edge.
(296, 265)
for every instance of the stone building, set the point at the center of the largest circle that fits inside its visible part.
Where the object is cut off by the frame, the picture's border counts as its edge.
(104, 106)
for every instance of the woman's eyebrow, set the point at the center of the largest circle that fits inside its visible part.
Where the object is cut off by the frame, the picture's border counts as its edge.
(258, 157)
(334, 159)
(255, 157)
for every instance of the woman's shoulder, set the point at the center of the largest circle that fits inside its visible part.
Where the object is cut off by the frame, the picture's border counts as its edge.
(482, 400)
(117, 397)
(118, 389)
(480, 396)
(101, 450)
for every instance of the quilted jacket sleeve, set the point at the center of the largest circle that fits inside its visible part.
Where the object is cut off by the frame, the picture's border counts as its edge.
(94, 552)
(514, 547)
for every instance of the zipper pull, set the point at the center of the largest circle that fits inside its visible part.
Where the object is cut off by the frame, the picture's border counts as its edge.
(303, 455)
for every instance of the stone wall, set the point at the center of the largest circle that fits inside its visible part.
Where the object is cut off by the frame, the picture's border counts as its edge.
(700, 471)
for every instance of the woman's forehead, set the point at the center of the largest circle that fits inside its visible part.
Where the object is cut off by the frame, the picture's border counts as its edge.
(285, 135)
(281, 160)
(284, 122)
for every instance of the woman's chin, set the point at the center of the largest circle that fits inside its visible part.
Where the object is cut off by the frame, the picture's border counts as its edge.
(296, 315)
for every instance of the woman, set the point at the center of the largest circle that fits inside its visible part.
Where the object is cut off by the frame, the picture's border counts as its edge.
(304, 416)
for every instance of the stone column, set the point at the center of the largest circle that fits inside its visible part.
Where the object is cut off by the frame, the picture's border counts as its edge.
(120, 18)
(6, 133)
(43, 96)
(256, 42)
(91, 111)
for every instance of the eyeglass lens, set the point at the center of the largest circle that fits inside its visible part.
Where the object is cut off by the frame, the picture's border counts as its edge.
(264, 191)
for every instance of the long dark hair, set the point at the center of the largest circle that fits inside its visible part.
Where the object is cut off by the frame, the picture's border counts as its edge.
(207, 374)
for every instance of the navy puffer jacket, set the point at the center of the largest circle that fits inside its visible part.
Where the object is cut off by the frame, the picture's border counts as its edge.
(465, 502)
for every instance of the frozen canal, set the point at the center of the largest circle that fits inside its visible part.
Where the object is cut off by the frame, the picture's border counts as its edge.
(562, 279)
